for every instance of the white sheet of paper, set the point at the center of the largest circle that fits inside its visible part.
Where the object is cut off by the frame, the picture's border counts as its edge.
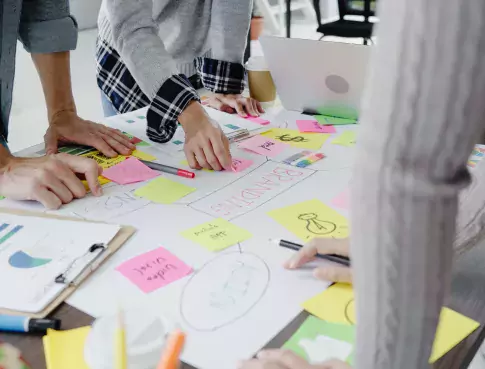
(261, 185)
(33, 251)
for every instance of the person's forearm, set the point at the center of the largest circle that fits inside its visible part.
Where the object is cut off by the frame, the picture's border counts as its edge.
(423, 111)
(55, 75)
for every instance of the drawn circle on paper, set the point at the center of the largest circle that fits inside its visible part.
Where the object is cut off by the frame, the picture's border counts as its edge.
(350, 312)
(224, 290)
(337, 84)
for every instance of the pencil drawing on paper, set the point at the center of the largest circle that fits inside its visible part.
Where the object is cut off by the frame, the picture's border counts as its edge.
(317, 226)
(350, 311)
(223, 291)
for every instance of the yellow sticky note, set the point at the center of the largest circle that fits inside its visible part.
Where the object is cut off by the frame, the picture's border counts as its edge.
(102, 181)
(164, 191)
(217, 234)
(185, 163)
(143, 155)
(347, 138)
(310, 219)
(336, 305)
(295, 138)
(452, 329)
(104, 161)
(65, 349)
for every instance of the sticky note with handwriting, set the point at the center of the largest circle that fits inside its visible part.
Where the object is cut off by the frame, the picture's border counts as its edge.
(164, 191)
(262, 146)
(238, 165)
(217, 234)
(326, 119)
(296, 138)
(154, 269)
(129, 171)
(314, 126)
(310, 219)
(258, 120)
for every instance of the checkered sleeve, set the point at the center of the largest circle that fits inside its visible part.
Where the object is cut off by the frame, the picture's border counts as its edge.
(171, 100)
(221, 76)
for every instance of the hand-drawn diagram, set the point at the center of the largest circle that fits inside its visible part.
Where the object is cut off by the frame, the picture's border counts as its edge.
(317, 226)
(350, 312)
(223, 291)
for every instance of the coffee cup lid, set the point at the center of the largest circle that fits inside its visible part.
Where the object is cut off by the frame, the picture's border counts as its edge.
(257, 63)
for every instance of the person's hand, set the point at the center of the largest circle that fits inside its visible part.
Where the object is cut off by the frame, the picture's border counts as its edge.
(333, 272)
(206, 146)
(285, 359)
(243, 106)
(51, 180)
(67, 127)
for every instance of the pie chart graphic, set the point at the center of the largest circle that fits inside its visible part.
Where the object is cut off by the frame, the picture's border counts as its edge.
(22, 260)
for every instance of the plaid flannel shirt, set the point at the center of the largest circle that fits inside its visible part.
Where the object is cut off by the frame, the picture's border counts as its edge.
(116, 82)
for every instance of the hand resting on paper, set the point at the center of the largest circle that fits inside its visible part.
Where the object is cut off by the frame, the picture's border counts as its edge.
(51, 180)
(206, 146)
(331, 272)
(284, 359)
(239, 104)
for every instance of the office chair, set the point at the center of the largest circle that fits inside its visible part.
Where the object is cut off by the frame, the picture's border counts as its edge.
(348, 28)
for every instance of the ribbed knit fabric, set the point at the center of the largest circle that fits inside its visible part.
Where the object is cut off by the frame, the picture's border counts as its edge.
(423, 110)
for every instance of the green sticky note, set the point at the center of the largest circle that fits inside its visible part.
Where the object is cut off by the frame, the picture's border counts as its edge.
(164, 191)
(2, 197)
(217, 234)
(347, 138)
(328, 120)
(318, 340)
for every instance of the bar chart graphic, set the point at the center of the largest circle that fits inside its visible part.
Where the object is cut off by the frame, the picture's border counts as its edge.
(7, 231)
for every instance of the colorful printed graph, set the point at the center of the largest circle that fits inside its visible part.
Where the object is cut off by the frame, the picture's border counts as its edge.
(9, 232)
(22, 260)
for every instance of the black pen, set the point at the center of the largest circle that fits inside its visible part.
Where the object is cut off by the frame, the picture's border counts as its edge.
(342, 260)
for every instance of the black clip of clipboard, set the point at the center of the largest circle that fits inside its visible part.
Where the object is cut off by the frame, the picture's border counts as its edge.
(62, 278)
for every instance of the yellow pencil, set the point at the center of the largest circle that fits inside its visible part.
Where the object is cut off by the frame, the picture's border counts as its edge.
(120, 343)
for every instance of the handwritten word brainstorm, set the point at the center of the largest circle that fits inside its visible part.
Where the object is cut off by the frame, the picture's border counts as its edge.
(251, 191)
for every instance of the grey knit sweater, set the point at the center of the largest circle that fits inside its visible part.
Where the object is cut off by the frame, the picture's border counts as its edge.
(160, 38)
(423, 111)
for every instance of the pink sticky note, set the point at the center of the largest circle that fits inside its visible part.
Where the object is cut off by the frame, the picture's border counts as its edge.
(262, 146)
(238, 165)
(314, 126)
(342, 200)
(154, 269)
(129, 171)
(258, 120)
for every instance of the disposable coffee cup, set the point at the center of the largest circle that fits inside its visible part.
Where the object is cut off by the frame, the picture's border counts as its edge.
(261, 85)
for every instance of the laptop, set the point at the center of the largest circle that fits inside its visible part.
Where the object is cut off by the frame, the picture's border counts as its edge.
(317, 77)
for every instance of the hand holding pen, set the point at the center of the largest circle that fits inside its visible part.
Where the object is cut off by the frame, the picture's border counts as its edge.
(324, 246)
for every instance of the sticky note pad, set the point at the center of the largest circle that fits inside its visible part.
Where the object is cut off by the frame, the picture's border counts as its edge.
(238, 165)
(129, 171)
(65, 349)
(258, 120)
(154, 269)
(104, 161)
(310, 219)
(164, 191)
(347, 138)
(318, 341)
(262, 146)
(102, 181)
(295, 138)
(326, 120)
(217, 234)
(336, 305)
(143, 155)
(314, 126)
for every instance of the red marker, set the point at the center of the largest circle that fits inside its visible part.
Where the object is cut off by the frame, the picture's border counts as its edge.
(167, 169)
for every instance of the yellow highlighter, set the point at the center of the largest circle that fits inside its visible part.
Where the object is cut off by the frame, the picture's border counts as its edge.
(120, 343)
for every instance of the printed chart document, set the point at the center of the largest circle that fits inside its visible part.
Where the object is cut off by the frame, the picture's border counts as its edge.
(34, 251)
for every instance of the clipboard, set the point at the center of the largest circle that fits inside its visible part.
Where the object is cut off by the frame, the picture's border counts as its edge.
(121, 237)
